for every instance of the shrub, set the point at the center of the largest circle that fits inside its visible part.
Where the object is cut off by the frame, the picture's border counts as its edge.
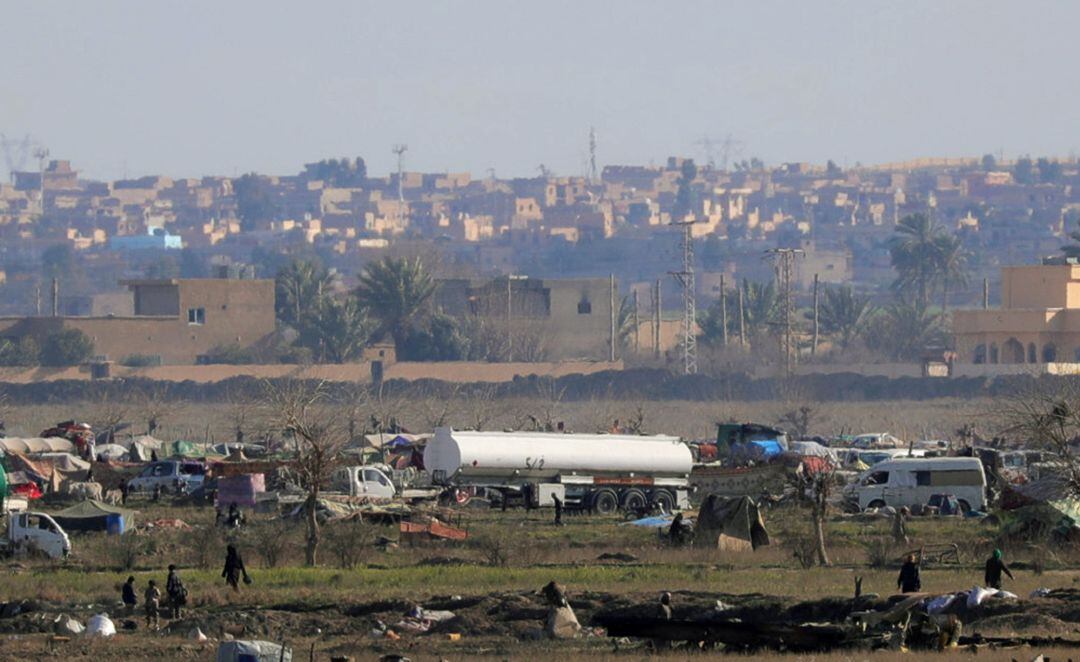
(350, 542)
(65, 347)
(229, 355)
(19, 352)
(271, 540)
(127, 549)
(141, 360)
(879, 551)
(207, 547)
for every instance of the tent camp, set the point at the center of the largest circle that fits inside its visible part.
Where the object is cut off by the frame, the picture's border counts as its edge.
(36, 445)
(93, 515)
(730, 524)
(51, 470)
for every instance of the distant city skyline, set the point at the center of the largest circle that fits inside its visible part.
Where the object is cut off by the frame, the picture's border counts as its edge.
(206, 88)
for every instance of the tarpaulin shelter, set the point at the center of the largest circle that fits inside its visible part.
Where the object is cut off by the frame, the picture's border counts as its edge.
(392, 440)
(36, 445)
(141, 448)
(3, 482)
(91, 515)
(813, 449)
(241, 490)
(253, 651)
(730, 523)
(50, 471)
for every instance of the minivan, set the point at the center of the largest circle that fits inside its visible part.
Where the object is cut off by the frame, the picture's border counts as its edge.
(912, 481)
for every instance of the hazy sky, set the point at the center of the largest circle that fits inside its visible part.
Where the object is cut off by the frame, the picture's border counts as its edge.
(190, 88)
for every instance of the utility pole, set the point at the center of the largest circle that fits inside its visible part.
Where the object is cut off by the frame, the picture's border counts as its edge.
(509, 332)
(400, 151)
(611, 308)
(813, 347)
(593, 178)
(784, 265)
(686, 280)
(55, 297)
(723, 310)
(986, 294)
(742, 318)
(41, 153)
(637, 326)
(656, 320)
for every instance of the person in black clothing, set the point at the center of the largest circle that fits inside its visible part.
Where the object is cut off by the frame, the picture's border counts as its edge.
(234, 568)
(994, 567)
(677, 532)
(176, 591)
(909, 581)
(558, 509)
(127, 594)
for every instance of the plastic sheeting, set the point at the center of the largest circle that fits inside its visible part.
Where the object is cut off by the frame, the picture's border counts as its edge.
(100, 625)
(253, 651)
(36, 445)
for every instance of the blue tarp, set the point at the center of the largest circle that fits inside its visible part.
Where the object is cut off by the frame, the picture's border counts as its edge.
(659, 520)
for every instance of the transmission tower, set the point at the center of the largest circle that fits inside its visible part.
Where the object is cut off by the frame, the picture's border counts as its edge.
(686, 280)
(708, 145)
(400, 151)
(41, 154)
(784, 265)
(729, 149)
(593, 178)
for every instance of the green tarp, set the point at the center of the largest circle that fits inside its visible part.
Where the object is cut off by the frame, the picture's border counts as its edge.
(91, 515)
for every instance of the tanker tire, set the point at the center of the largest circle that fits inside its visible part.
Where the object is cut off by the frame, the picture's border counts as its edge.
(633, 500)
(663, 500)
(605, 502)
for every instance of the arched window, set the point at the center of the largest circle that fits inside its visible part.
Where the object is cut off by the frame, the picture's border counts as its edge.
(980, 354)
(994, 352)
(1012, 352)
(1033, 354)
(1049, 353)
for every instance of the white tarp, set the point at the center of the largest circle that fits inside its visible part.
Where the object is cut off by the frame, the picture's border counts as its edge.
(100, 626)
(255, 651)
(814, 449)
(31, 445)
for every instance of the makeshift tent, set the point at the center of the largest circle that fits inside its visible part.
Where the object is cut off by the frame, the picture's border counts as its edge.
(390, 439)
(91, 515)
(141, 448)
(3, 482)
(36, 445)
(813, 449)
(51, 471)
(114, 452)
(253, 651)
(730, 523)
(241, 490)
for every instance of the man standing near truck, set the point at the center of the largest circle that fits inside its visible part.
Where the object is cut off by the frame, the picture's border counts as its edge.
(558, 509)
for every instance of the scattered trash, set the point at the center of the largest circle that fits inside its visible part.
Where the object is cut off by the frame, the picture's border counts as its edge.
(197, 635)
(1040, 593)
(253, 651)
(65, 625)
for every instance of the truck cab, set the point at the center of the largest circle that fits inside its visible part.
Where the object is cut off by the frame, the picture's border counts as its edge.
(29, 531)
(363, 481)
(169, 474)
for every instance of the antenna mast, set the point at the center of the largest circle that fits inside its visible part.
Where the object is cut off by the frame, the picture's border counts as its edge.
(784, 265)
(400, 151)
(686, 280)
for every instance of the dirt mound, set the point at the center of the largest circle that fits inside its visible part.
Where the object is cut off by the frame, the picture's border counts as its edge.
(1025, 624)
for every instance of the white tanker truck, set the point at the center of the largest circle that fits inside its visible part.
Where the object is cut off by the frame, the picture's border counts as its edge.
(599, 472)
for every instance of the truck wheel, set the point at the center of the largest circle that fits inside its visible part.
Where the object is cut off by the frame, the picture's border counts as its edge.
(662, 500)
(876, 503)
(634, 500)
(605, 502)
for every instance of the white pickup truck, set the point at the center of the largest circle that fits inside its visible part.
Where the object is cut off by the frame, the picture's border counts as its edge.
(372, 482)
(29, 531)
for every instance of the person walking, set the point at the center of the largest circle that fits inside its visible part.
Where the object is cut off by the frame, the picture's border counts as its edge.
(558, 509)
(177, 593)
(994, 567)
(152, 602)
(909, 581)
(127, 595)
(234, 568)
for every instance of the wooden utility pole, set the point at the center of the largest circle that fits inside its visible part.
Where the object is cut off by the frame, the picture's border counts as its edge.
(509, 332)
(637, 326)
(813, 347)
(986, 293)
(656, 320)
(723, 311)
(55, 297)
(611, 308)
(742, 319)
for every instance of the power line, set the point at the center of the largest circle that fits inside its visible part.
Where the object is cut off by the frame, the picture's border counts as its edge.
(686, 280)
(784, 266)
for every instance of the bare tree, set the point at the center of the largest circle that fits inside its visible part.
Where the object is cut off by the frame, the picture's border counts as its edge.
(241, 414)
(479, 405)
(437, 407)
(800, 420)
(304, 414)
(109, 413)
(1048, 417)
(549, 399)
(154, 407)
(814, 489)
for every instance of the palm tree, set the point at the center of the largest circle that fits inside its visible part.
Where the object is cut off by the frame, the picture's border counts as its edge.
(952, 265)
(342, 329)
(914, 251)
(395, 291)
(904, 331)
(300, 289)
(624, 323)
(843, 314)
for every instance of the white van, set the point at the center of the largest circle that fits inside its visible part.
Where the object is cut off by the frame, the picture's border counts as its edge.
(912, 481)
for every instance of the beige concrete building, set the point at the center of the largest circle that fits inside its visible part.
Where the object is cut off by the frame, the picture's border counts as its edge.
(1038, 322)
(177, 320)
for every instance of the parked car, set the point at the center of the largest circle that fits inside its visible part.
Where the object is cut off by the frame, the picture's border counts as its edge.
(171, 475)
(877, 440)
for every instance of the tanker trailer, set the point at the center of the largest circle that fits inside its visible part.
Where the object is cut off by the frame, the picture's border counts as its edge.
(598, 472)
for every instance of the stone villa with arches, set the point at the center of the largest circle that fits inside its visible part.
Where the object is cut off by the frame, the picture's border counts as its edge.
(1037, 325)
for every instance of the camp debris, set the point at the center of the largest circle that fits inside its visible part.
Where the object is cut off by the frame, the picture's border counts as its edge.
(730, 523)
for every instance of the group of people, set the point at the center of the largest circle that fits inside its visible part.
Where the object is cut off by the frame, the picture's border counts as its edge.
(174, 588)
(909, 580)
(176, 593)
